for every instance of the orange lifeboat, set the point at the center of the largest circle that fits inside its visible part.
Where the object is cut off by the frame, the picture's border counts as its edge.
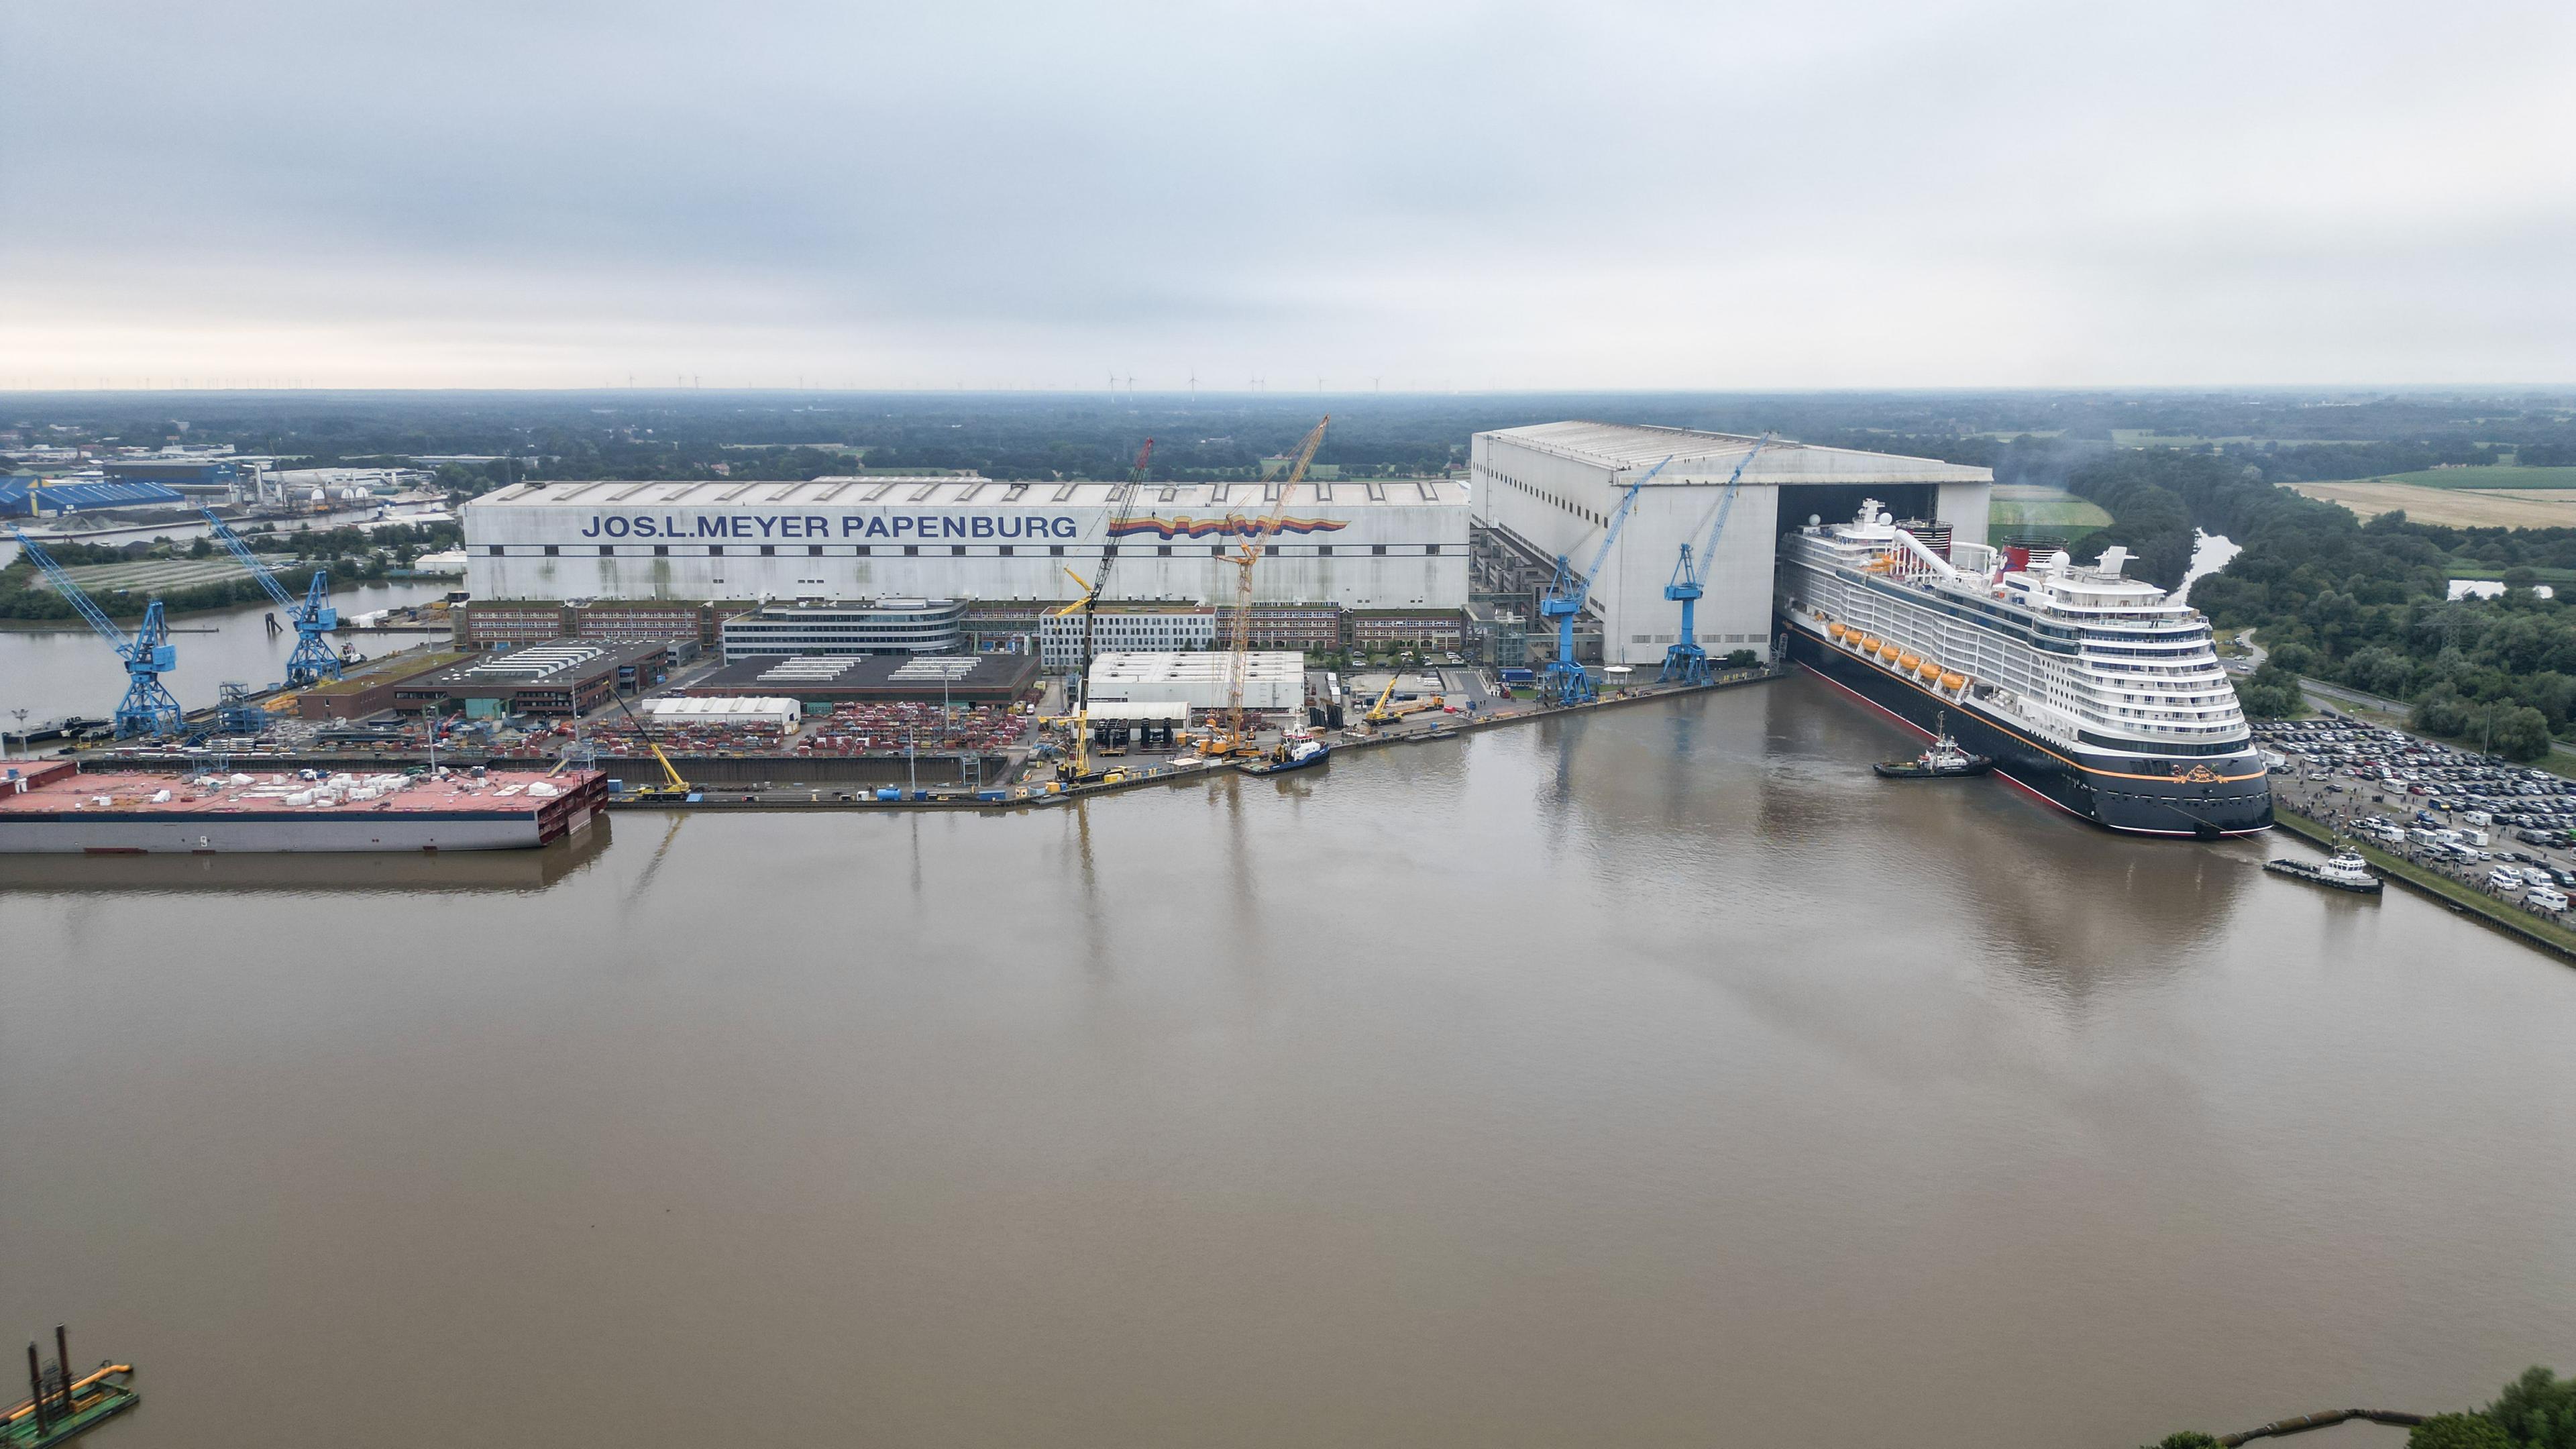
(1869, 643)
(1928, 668)
(1838, 631)
(1887, 649)
(1954, 681)
(1908, 661)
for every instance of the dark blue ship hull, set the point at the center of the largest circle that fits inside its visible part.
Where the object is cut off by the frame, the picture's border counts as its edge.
(2204, 799)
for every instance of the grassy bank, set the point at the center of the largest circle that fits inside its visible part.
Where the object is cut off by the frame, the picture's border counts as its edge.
(2547, 935)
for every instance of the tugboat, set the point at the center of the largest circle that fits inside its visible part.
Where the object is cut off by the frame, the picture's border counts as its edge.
(1296, 752)
(1944, 760)
(2347, 871)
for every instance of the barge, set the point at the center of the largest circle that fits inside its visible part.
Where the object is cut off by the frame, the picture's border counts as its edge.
(59, 809)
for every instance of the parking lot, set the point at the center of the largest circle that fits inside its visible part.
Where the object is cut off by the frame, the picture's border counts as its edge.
(2492, 825)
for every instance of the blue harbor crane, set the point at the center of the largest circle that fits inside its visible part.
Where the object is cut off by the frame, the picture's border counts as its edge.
(314, 660)
(148, 707)
(1564, 681)
(1686, 662)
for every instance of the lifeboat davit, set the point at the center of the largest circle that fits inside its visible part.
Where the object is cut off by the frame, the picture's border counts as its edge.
(1887, 649)
(1869, 643)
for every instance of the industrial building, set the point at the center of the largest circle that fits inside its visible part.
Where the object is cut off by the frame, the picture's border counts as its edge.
(1552, 489)
(881, 626)
(1125, 629)
(1273, 680)
(835, 679)
(22, 496)
(1375, 544)
(564, 677)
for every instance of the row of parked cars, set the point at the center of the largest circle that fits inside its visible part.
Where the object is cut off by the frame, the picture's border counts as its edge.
(2475, 789)
(2476, 797)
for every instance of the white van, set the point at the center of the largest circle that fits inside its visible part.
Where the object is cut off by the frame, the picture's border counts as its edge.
(2546, 898)
(2505, 877)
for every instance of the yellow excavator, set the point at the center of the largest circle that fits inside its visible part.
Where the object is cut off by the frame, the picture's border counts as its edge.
(676, 788)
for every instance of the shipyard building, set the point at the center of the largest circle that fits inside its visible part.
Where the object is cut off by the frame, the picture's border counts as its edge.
(1552, 489)
(1373, 545)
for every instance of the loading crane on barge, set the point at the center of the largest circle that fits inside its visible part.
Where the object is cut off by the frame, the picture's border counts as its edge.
(1686, 662)
(1565, 682)
(148, 707)
(314, 660)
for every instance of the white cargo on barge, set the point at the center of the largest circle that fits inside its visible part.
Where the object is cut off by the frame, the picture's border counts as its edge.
(58, 809)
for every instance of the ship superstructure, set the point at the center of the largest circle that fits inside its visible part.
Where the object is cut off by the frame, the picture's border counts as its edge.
(2099, 692)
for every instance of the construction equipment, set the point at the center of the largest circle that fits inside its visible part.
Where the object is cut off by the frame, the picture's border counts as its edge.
(1383, 712)
(314, 659)
(148, 707)
(1564, 681)
(1686, 662)
(1089, 604)
(677, 787)
(1254, 536)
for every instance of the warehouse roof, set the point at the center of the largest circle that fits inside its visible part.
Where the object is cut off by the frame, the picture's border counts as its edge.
(888, 676)
(1696, 454)
(949, 491)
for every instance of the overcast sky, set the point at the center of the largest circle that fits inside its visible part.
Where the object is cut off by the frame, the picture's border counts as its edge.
(1693, 195)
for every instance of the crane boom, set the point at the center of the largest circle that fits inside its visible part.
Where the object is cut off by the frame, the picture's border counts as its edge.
(241, 551)
(1254, 538)
(1568, 681)
(148, 707)
(314, 659)
(1686, 662)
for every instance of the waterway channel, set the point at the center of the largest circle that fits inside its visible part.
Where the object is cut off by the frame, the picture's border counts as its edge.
(68, 670)
(1656, 1077)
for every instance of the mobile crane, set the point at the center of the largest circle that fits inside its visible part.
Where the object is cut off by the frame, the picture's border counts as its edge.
(1232, 739)
(676, 787)
(1089, 604)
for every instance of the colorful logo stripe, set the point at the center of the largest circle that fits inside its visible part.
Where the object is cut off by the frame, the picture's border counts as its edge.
(1232, 524)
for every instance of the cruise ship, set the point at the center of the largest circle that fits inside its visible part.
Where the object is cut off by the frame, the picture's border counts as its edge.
(2098, 693)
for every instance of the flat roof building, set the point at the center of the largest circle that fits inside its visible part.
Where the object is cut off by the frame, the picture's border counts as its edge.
(564, 677)
(830, 679)
(1273, 680)
(1376, 543)
(1550, 490)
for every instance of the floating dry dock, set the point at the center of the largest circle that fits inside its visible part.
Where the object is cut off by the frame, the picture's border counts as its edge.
(58, 809)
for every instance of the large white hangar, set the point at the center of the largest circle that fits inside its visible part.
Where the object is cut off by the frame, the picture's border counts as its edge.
(1374, 544)
(1551, 489)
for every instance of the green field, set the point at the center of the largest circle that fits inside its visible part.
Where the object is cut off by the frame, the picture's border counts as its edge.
(2025, 508)
(2485, 478)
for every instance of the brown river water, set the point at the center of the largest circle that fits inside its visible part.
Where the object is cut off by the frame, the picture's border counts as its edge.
(1657, 1078)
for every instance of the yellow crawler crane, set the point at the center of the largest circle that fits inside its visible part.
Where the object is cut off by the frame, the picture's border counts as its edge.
(1230, 739)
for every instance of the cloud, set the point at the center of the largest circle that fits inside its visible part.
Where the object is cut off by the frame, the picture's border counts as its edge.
(1750, 195)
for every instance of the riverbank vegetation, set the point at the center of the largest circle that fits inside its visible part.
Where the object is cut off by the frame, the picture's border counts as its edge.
(2361, 604)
